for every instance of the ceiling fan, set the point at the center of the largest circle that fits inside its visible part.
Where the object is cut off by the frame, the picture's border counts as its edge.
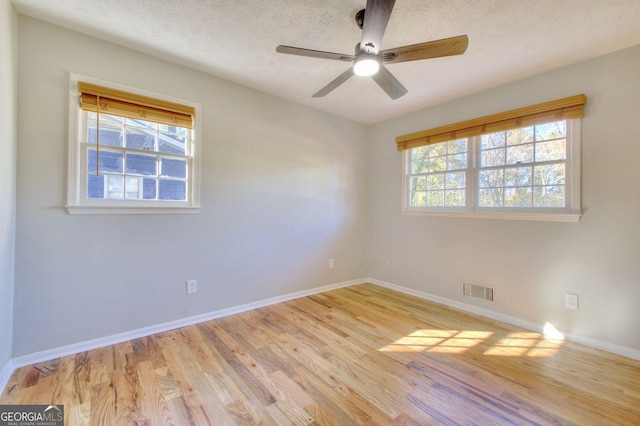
(369, 60)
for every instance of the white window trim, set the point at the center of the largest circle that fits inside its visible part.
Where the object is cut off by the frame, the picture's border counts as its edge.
(79, 204)
(572, 190)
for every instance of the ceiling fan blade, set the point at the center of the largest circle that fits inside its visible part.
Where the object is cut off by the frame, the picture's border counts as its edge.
(335, 83)
(431, 49)
(389, 83)
(376, 17)
(314, 53)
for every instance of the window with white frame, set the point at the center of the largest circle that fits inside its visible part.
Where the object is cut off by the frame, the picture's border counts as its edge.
(131, 153)
(526, 172)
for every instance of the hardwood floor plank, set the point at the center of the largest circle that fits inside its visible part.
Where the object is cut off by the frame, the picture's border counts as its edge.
(102, 408)
(205, 400)
(254, 389)
(78, 414)
(153, 404)
(100, 365)
(361, 355)
(31, 378)
(283, 404)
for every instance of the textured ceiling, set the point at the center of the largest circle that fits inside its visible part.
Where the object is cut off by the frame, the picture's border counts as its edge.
(236, 40)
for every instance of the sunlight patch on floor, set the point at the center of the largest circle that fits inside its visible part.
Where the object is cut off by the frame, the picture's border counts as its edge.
(530, 344)
(445, 341)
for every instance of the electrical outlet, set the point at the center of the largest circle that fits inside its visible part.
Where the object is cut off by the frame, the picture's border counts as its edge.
(332, 263)
(571, 301)
(192, 286)
(387, 264)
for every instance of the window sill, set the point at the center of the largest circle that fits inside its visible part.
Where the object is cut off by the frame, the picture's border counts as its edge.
(80, 210)
(548, 217)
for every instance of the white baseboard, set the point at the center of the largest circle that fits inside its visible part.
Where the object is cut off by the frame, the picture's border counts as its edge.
(519, 322)
(49, 354)
(5, 374)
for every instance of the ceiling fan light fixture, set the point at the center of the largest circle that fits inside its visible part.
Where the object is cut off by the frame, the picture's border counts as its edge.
(366, 64)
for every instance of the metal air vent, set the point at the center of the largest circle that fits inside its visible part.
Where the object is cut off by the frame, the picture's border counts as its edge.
(477, 291)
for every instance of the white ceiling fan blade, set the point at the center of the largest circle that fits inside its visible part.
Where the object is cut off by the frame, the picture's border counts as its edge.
(389, 83)
(314, 53)
(335, 83)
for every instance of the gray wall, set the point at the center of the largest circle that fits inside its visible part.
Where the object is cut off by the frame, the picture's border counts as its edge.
(283, 191)
(531, 264)
(8, 99)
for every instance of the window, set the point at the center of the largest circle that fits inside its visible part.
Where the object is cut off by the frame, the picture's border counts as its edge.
(523, 172)
(437, 174)
(130, 153)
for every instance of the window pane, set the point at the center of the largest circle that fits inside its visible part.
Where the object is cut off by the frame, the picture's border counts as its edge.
(492, 140)
(518, 176)
(455, 180)
(110, 129)
(140, 139)
(108, 137)
(457, 161)
(435, 198)
(549, 196)
(437, 149)
(172, 143)
(132, 188)
(435, 181)
(419, 153)
(419, 160)
(149, 188)
(520, 136)
(437, 164)
(491, 178)
(173, 168)
(95, 186)
(551, 174)
(457, 146)
(418, 199)
(115, 187)
(173, 190)
(552, 150)
(455, 198)
(491, 197)
(520, 154)
(140, 164)
(420, 166)
(492, 157)
(110, 162)
(418, 183)
(518, 197)
(443, 174)
(555, 130)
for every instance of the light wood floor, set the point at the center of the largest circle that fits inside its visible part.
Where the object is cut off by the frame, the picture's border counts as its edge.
(358, 355)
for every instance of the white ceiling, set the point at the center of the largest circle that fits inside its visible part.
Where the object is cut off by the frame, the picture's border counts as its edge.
(236, 40)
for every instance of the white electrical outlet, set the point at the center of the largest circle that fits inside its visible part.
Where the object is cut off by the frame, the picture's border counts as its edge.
(332, 263)
(571, 301)
(387, 264)
(192, 286)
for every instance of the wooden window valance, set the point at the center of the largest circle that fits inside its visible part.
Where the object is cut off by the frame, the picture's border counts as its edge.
(130, 105)
(561, 109)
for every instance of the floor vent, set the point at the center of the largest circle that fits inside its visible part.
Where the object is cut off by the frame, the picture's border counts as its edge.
(477, 291)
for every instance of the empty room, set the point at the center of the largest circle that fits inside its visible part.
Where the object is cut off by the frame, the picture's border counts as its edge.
(218, 212)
